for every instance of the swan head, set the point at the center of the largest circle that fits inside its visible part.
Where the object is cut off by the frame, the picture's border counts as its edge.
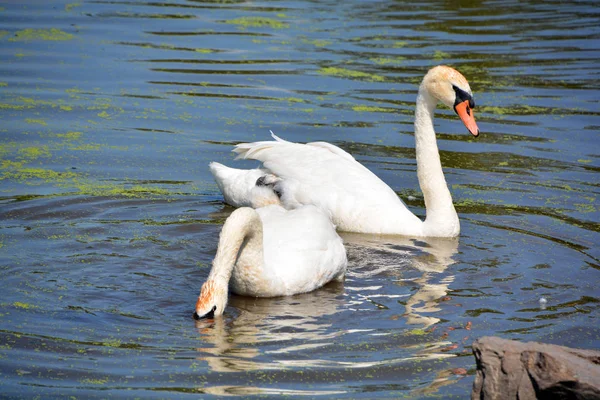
(212, 300)
(451, 88)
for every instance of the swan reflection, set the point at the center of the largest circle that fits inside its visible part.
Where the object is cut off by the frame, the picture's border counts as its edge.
(258, 331)
(371, 255)
(282, 321)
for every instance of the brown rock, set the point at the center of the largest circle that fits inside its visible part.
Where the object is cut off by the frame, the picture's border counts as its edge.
(507, 369)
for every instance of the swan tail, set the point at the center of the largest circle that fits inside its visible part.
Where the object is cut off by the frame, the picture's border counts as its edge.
(251, 150)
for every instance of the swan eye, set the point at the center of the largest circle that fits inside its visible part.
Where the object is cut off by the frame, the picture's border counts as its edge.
(462, 96)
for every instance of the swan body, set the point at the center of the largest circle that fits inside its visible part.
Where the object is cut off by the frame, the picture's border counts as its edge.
(355, 198)
(271, 251)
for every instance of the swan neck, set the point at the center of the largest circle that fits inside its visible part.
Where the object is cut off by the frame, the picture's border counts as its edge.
(441, 219)
(241, 233)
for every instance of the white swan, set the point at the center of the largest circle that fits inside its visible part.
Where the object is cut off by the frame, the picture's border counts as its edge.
(357, 200)
(271, 252)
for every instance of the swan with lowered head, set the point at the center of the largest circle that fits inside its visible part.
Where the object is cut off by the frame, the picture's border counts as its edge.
(270, 251)
(357, 200)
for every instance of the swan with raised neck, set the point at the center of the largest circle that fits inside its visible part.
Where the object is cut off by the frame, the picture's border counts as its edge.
(357, 200)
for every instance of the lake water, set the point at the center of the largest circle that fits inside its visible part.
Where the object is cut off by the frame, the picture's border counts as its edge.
(110, 112)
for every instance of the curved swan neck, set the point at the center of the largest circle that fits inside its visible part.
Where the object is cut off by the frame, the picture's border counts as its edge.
(441, 219)
(242, 232)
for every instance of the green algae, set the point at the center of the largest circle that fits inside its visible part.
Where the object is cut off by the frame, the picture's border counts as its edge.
(8, 164)
(69, 7)
(119, 190)
(363, 108)
(36, 121)
(24, 306)
(112, 343)
(52, 34)
(33, 153)
(317, 42)
(439, 55)
(257, 22)
(29, 103)
(28, 174)
(3, 84)
(585, 208)
(93, 381)
(348, 73)
(388, 60)
(417, 332)
(5, 106)
(85, 147)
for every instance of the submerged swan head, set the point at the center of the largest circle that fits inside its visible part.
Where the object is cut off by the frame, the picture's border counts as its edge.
(212, 300)
(451, 88)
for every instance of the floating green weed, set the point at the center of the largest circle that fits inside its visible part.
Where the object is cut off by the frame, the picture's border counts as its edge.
(363, 108)
(52, 34)
(417, 332)
(69, 7)
(24, 306)
(257, 22)
(33, 153)
(36, 121)
(387, 60)
(85, 147)
(69, 135)
(317, 42)
(4, 106)
(110, 190)
(348, 73)
(440, 55)
(112, 343)
(25, 175)
(92, 381)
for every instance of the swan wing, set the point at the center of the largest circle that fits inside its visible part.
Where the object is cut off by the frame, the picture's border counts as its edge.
(328, 177)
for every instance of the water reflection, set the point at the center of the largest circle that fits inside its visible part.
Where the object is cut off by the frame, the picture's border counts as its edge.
(283, 320)
(393, 255)
(287, 326)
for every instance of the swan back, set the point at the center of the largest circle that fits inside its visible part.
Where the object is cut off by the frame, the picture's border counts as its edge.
(301, 251)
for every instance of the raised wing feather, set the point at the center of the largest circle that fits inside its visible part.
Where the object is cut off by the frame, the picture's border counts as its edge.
(330, 178)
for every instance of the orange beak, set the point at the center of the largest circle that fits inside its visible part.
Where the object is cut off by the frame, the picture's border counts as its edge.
(465, 112)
